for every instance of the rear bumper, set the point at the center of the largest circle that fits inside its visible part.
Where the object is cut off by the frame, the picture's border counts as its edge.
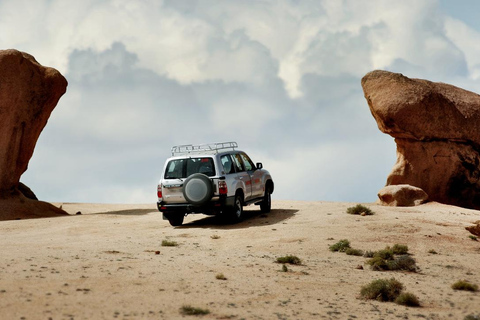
(212, 207)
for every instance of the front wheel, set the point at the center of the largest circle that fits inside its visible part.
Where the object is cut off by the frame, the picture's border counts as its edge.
(266, 204)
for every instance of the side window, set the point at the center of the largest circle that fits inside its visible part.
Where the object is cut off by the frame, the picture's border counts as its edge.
(237, 160)
(227, 164)
(174, 169)
(249, 166)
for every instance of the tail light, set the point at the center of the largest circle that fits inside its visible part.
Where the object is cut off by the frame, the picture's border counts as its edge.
(222, 187)
(159, 191)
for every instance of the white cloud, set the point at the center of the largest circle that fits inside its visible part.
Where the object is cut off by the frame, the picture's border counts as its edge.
(468, 41)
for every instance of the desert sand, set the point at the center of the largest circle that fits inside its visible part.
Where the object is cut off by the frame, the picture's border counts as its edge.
(109, 263)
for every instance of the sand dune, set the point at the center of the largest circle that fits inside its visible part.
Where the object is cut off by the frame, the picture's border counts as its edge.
(109, 263)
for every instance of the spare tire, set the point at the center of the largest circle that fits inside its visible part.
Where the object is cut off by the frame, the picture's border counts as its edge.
(198, 189)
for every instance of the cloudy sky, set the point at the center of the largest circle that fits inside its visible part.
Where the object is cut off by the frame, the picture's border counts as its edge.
(280, 77)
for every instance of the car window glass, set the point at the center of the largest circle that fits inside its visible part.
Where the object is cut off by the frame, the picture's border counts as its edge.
(200, 165)
(174, 169)
(227, 164)
(183, 168)
(247, 162)
(238, 162)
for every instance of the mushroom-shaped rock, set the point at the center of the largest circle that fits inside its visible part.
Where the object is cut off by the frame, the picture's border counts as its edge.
(402, 195)
(28, 94)
(436, 129)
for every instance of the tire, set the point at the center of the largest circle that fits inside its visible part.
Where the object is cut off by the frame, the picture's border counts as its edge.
(176, 220)
(236, 212)
(198, 189)
(266, 204)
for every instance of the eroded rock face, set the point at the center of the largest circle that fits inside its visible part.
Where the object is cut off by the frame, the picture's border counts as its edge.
(28, 94)
(436, 127)
(402, 195)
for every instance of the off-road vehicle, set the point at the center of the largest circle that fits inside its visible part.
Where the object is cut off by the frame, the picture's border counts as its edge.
(214, 179)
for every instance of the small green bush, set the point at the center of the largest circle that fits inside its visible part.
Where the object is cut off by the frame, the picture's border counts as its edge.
(465, 286)
(403, 262)
(474, 238)
(289, 259)
(472, 317)
(354, 252)
(220, 276)
(192, 311)
(360, 209)
(340, 246)
(284, 268)
(432, 251)
(382, 290)
(168, 243)
(378, 263)
(369, 254)
(407, 299)
(386, 254)
(400, 249)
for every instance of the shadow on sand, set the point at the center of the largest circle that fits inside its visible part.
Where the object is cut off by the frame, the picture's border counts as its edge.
(128, 212)
(253, 218)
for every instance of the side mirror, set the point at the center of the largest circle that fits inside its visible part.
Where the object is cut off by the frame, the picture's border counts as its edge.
(259, 165)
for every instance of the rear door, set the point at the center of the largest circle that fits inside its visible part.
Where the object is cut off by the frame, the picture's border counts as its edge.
(173, 181)
(242, 175)
(177, 170)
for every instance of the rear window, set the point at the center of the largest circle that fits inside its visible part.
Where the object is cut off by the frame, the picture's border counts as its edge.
(182, 168)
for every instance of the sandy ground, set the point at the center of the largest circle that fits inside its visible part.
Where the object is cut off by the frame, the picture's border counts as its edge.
(103, 263)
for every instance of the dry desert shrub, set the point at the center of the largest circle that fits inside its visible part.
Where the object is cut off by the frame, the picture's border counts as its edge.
(392, 259)
(289, 259)
(403, 262)
(193, 311)
(369, 254)
(386, 254)
(354, 252)
(465, 286)
(360, 210)
(169, 243)
(400, 249)
(382, 290)
(220, 276)
(340, 246)
(407, 299)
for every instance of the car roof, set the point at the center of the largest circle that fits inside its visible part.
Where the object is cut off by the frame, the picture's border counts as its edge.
(204, 155)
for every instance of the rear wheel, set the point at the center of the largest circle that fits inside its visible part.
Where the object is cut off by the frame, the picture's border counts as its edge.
(175, 219)
(266, 203)
(236, 212)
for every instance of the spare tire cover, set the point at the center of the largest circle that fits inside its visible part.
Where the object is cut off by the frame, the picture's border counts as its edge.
(198, 189)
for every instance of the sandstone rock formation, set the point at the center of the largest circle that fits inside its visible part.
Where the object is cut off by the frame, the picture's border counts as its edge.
(475, 229)
(402, 195)
(437, 132)
(28, 94)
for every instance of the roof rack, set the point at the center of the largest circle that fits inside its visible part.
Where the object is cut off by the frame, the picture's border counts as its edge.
(203, 148)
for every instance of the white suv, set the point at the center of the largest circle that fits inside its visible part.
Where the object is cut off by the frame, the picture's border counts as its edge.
(213, 179)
